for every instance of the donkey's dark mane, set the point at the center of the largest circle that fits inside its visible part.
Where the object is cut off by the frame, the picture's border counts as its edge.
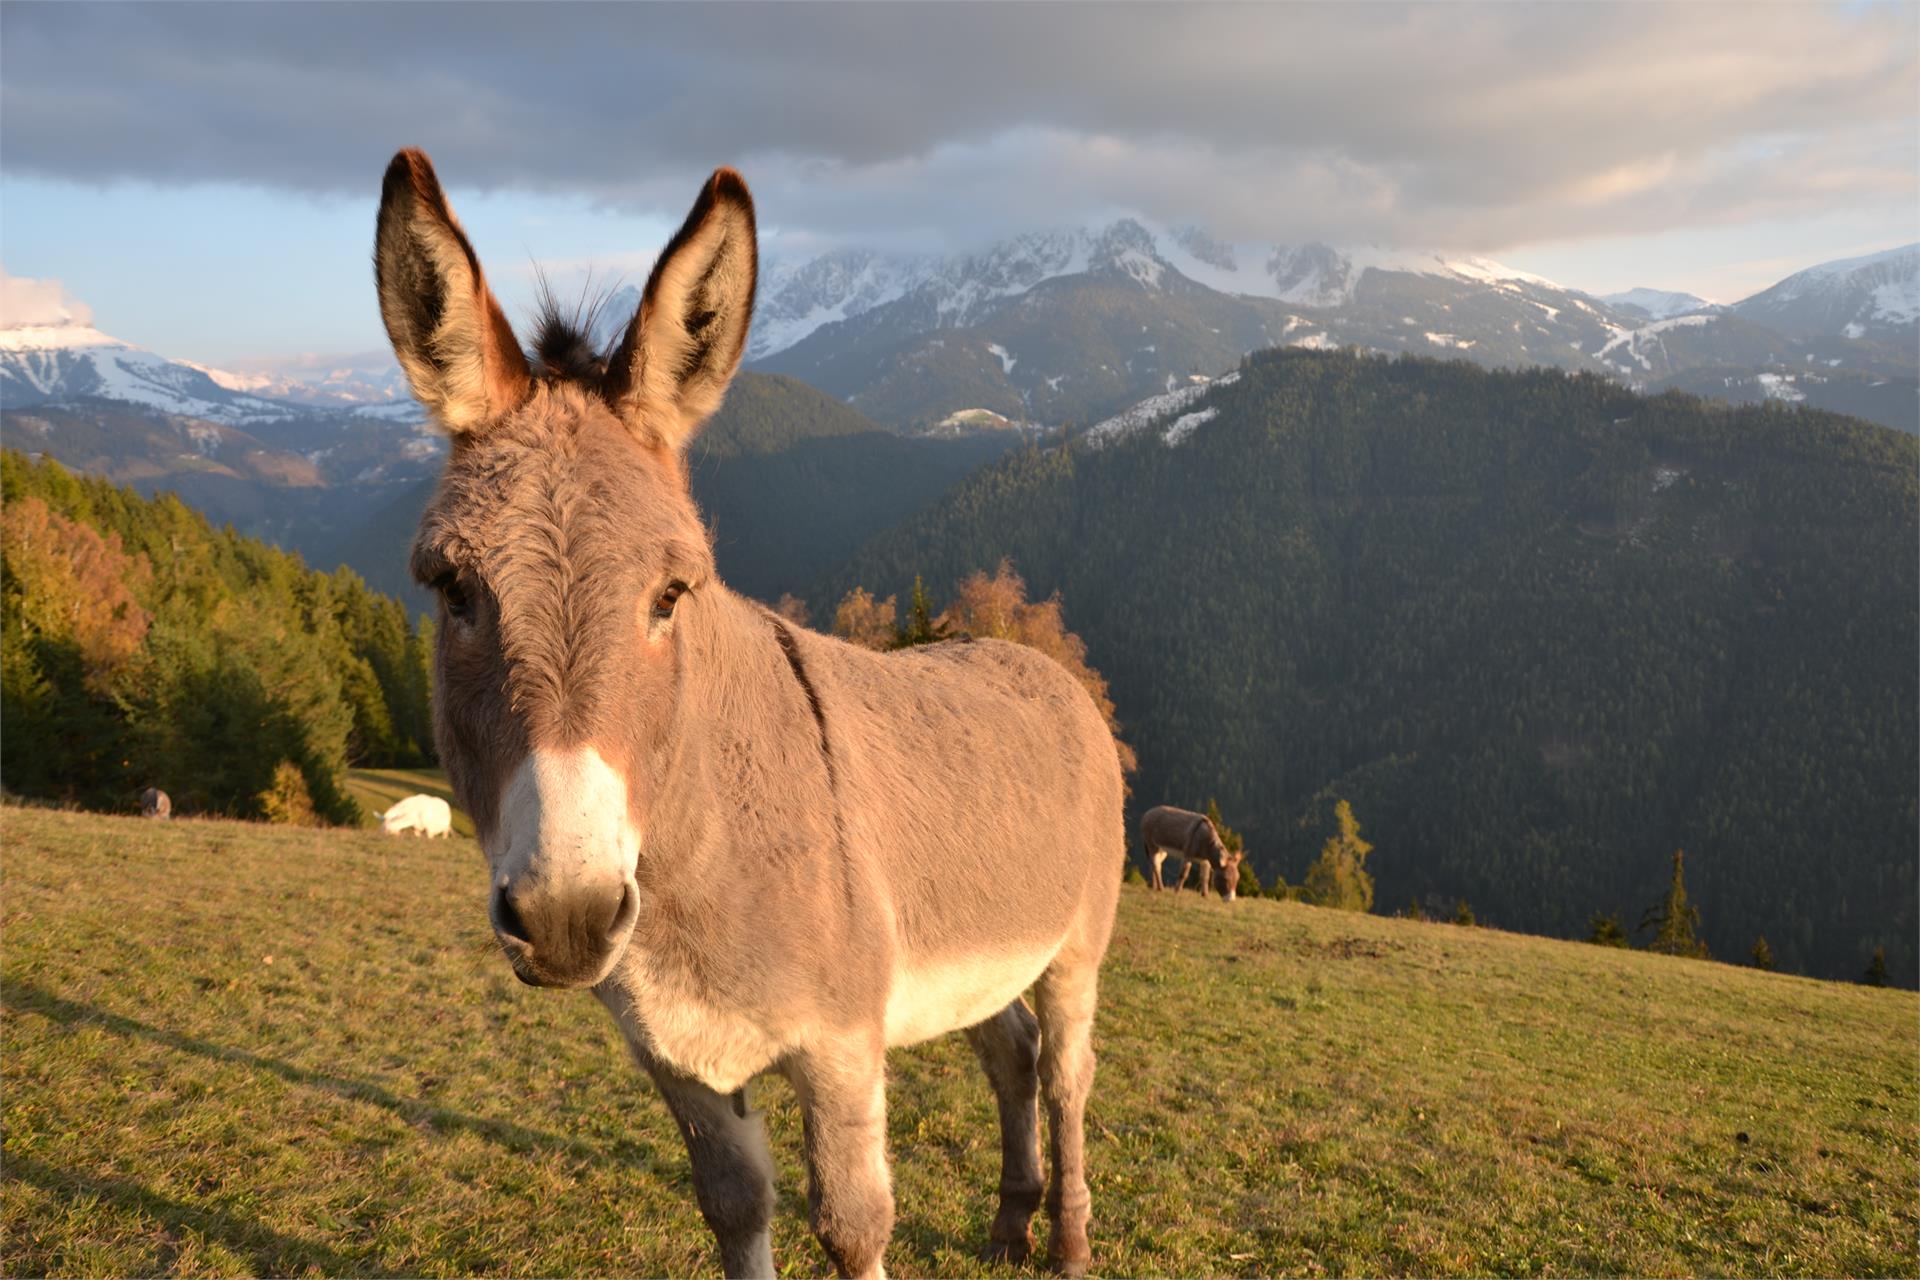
(563, 346)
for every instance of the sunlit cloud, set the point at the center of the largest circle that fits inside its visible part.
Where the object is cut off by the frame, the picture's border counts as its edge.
(30, 302)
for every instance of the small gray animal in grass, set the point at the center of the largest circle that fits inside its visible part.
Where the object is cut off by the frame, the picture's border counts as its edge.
(1168, 832)
(154, 804)
(763, 849)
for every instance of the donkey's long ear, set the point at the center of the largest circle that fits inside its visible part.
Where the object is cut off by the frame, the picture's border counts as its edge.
(672, 368)
(456, 346)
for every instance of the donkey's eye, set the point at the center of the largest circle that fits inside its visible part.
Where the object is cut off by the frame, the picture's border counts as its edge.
(663, 605)
(459, 604)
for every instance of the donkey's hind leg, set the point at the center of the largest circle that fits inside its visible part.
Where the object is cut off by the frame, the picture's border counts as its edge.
(1064, 999)
(732, 1170)
(1008, 1045)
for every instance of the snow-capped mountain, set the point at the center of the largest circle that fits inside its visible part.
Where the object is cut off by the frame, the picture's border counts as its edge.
(1074, 326)
(345, 387)
(1656, 304)
(1875, 298)
(796, 300)
(72, 362)
(43, 364)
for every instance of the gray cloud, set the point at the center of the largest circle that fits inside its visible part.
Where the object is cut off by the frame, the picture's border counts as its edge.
(1469, 127)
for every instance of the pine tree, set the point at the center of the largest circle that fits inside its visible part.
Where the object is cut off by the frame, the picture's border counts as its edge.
(921, 627)
(1762, 954)
(1463, 914)
(1606, 930)
(1229, 838)
(1339, 878)
(1876, 974)
(1676, 920)
(1249, 886)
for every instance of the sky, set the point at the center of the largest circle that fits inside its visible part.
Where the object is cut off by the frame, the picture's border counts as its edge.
(203, 178)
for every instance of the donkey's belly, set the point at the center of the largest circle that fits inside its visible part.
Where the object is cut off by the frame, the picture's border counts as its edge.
(933, 997)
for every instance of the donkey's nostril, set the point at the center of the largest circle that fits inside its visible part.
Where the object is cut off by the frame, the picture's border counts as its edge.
(506, 919)
(625, 914)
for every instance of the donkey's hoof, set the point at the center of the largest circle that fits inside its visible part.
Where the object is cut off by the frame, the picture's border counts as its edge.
(1070, 1258)
(1013, 1250)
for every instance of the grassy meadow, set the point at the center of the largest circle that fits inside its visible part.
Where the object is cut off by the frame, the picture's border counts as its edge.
(234, 1049)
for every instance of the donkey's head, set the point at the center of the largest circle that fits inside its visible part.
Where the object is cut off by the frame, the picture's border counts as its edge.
(1226, 877)
(567, 554)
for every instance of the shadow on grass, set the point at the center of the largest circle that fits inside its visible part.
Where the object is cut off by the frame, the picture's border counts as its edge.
(25, 997)
(271, 1252)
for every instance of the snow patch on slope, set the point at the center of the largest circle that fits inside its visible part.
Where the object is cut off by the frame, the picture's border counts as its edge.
(1153, 409)
(1187, 423)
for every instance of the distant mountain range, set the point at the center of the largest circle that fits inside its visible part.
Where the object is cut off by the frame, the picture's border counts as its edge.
(1075, 326)
(73, 362)
(1053, 329)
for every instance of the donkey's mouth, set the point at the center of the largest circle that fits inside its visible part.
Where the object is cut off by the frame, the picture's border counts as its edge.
(531, 973)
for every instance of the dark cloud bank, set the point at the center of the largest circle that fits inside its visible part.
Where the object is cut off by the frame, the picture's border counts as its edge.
(1473, 128)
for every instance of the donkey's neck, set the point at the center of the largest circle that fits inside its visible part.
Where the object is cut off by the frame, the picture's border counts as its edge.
(750, 775)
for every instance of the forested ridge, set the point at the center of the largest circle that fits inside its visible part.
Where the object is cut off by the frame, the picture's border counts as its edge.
(140, 646)
(1538, 630)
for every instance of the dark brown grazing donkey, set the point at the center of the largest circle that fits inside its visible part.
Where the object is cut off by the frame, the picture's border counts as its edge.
(763, 849)
(1181, 833)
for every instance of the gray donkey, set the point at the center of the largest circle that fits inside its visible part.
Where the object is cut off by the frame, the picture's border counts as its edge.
(763, 849)
(1181, 833)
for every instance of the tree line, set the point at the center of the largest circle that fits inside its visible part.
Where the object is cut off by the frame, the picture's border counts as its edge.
(140, 646)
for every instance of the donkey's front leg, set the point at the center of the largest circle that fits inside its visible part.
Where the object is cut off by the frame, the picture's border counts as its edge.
(732, 1169)
(843, 1101)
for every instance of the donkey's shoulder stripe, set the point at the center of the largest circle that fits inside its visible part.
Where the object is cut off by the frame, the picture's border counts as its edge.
(791, 649)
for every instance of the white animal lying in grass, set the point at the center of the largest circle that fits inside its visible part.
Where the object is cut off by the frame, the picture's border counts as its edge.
(428, 815)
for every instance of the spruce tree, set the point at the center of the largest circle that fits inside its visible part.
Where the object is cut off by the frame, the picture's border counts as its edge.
(1339, 878)
(921, 627)
(1876, 974)
(1606, 930)
(1676, 920)
(1762, 953)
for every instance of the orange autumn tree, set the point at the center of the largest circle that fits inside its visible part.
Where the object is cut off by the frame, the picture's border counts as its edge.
(865, 621)
(72, 584)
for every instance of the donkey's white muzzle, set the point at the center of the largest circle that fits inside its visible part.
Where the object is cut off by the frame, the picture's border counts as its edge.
(564, 898)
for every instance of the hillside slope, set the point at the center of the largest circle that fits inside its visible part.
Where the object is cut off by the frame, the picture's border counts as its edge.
(1539, 630)
(253, 1050)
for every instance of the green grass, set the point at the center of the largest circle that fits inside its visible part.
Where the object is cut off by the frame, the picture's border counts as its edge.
(233, 1049)
(377, 789)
